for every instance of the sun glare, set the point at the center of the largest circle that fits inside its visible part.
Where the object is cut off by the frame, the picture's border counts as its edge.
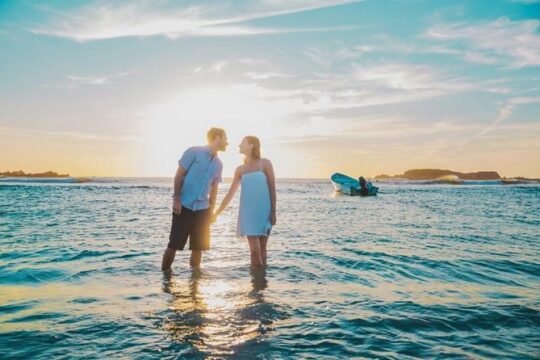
(183, 119)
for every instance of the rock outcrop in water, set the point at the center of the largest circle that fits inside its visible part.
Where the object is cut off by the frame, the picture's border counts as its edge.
(431, 174)
(46, 174)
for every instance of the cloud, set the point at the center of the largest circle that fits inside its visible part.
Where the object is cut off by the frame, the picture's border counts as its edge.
(215, 67)
(355, 51)
(265, 75)
(82, 136)
(388, 44)
(142, 19)
(327, 103)
(380, 84)
(479, 58)
(76, 80)
(502, 40)
(507, 109)
(318, 56)
(331, 102)
(402, 76)
(96, 80)
(253, 61)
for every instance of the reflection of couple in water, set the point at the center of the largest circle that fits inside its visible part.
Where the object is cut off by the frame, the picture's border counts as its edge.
(195, 192)
(202, 316)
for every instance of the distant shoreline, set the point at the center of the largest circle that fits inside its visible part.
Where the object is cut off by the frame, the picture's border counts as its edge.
(414, 174)
(46, 174)
(450, 175)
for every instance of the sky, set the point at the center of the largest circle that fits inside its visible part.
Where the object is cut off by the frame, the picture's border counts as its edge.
(122, 88)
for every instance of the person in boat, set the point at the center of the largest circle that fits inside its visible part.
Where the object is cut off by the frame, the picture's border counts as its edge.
(364, 191)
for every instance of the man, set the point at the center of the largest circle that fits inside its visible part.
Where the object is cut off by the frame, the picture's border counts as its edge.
(195, 191)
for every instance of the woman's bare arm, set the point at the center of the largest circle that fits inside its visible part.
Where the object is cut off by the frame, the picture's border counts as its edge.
(232, 190)
(269, 170)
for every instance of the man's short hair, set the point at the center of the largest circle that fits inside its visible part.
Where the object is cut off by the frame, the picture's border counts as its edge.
(213, 132)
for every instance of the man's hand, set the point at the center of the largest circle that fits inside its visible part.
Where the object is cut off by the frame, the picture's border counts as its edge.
(213, 218)
(273, 218)
(177, 206)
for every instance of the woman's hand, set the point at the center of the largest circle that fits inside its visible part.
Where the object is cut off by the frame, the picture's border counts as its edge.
(273, 218)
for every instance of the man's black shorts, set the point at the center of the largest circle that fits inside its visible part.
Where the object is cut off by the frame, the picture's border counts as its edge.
(192, 224)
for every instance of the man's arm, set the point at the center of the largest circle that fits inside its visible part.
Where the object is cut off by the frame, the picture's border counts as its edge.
(178, 181)
(184, 164)
(213, 196)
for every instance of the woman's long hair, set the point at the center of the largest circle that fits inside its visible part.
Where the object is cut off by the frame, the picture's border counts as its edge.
(256, 150)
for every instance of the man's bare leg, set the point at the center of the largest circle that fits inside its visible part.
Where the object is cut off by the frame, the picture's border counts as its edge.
(195, 260)
(168, 258)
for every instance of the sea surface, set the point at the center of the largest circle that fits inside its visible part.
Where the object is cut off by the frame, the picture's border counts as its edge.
(419, 271)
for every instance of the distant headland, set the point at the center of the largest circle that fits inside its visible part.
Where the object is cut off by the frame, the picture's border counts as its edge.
(431, 174)
(46, 174)
(455, 176)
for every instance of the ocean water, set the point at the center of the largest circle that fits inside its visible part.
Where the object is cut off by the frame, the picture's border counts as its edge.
(419, 271)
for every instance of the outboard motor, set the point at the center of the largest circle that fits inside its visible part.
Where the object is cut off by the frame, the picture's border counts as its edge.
(363, 186)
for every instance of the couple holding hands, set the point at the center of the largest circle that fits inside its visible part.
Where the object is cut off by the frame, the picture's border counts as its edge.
(195, 192)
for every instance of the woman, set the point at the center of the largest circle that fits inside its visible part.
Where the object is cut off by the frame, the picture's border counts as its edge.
(257, 213)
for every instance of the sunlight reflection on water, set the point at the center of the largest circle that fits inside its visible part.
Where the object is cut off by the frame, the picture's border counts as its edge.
(211, 314)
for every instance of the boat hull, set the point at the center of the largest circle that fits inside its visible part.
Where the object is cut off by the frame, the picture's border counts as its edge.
(349, 186)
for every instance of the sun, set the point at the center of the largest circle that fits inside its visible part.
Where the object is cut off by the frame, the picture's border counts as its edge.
(182, 120)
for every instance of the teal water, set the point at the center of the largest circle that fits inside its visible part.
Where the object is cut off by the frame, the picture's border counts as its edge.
(420, 271)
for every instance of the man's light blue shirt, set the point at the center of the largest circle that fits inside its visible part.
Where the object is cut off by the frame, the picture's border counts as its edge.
(202, 171)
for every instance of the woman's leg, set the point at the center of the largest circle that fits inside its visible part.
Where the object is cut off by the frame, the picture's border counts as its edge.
(255, 251)
(263, 240)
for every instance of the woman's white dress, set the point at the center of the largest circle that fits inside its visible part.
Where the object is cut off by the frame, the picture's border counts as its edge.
(255, 208)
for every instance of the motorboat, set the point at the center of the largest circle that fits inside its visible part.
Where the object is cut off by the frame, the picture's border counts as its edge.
(350, 186)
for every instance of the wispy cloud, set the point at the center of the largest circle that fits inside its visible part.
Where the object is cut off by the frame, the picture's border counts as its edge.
(265, 75)
(407, 77)
(507, 109)
(215, 67)
(96, 80)
(480, 58)
(379, 84)
(82, 136)
(502, 40)
(326, 58)
(77, 80)
(142, 19)
(318, 56)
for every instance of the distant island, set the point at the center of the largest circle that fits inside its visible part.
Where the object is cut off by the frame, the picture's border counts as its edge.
(431, 174)
(46, 174)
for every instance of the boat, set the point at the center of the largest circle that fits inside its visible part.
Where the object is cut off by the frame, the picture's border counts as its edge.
(349, 186)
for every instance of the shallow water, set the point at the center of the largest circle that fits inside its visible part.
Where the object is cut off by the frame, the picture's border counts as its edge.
(420, 271)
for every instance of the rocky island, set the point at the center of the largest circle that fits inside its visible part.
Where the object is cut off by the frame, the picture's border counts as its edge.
(431, 174)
